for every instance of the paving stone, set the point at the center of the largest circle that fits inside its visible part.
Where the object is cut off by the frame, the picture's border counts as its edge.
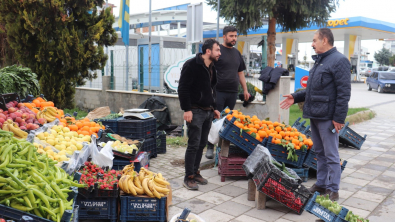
(376, 189)
(375, 167)
(346, 155)
(368, 171)
(176, 183)
(390, 173)
(362, 157)
(348, 170)
(232, 208)
(209, 173)
(383, 184)
(356, 161)
(208, 187)
(369, 196)
(381, 216)
(242, 199)
(173, 210)
(231, 190)
(283, 220)
(215, 216)
(379, 149)
(357, 211)
(387, 179)
(240, 183)
(196, 205)
(176, 200)
(380, 162)
(366, 153)
(391, 152)
(349, 187)
(186, 194)
(304, 217)
(388, 156)
(345, 194)
(217, 180)
(354, 166)
(214, 197)
(269, 214)
(355, 181)
(363, 176)
(374, 152)
(277, 206)
(245, 218)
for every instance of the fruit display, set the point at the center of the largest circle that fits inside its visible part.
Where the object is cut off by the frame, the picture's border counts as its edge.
(91, 174)
(324, 201)
(63, 140)
(31, 182)
(13, 127)
(122, 147)
(84, 126)
(23, 117)
(144, 182)
(354, 218)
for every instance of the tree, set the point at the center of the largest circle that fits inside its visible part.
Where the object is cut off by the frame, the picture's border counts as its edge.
(60, 40)
(290, 15)
(392, 60)
(383, 56)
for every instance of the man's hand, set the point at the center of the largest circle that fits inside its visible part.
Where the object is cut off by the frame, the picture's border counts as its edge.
(188, 116)
(246, 95)
(288, 102)
(338, 126)
(217, 114)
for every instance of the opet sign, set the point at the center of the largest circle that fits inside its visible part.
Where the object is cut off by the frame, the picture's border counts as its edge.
(334, 23)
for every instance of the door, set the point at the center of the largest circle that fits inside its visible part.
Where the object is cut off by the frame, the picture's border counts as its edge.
(155, 64)
(375, 81)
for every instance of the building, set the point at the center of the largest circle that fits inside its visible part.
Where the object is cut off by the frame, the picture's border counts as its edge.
(390, 44)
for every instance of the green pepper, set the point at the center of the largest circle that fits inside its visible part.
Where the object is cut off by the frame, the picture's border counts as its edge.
(57, 190)
(41, 196)
(31, 197)
(39, 174)
(20, 207)
(23, 162)
(15, 178)
(5, 152)
(27, 201)
(5, 163)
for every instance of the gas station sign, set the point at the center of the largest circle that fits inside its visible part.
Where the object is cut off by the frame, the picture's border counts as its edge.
(334, 23)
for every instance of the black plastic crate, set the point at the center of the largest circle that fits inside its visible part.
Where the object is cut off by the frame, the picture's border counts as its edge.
(120, 163)
(11, 97)
(350, 137)
(3, 104)
(299, 125)
(136, 128)
(129, 156)
(303, 173)
(285, 191)
(149, 146)
(161, 142)
(142, 209)
(98, 208)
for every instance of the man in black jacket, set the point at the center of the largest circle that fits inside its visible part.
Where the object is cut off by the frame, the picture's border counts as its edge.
(326, 103)
(196, 92)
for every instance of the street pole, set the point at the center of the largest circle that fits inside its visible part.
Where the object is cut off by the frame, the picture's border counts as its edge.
(149, 47)
(127, 68)
(264, 62)
(218, 20)
(107, 46)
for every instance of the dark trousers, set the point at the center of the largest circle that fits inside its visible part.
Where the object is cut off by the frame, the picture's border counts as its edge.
(198, 131)
(326, 146)
(224, 99)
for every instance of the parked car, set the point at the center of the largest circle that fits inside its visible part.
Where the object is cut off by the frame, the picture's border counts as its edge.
(369, 71)
(362, 71)
(382, 81)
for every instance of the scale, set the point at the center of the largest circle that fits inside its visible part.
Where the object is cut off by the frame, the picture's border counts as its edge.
(138, 113)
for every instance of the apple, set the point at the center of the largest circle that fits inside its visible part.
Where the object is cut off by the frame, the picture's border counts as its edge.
(29, 126)
(23, 128)
(13, 115)
(2, 120)
(32, 116)
(1, 110)
(9, 119)
(35, 126)
(25, 116)
(42, 121)
(29, 121)
(20, 105)
(18, 113)
(11, 110)
(3, 116)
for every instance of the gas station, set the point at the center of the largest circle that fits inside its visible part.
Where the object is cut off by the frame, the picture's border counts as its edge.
(350, 30)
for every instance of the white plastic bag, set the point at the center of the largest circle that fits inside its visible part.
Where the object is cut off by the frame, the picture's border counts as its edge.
(104, 157)
(213, 136)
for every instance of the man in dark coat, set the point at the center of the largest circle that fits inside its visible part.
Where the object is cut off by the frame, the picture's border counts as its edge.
(326, 104)
(196, 92)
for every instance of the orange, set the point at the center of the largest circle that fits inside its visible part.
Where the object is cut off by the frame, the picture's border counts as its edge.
(277, 141)
(276, 123)
(297, 148)
(227, 110)
(289, 128)
(271, 126)
(262, 134)
(229, 117)
(282, 133)
(278, 129)
(257, 126)
(278, 136)
(292, 134)
(286, 138)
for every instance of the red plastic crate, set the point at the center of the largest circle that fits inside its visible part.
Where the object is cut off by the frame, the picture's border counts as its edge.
(231, 166)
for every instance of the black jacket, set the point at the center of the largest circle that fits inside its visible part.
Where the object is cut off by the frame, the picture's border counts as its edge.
(195, 87)
(328, 88)
(270, 77)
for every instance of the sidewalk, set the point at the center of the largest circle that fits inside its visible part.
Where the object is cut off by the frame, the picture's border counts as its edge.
(367, 186)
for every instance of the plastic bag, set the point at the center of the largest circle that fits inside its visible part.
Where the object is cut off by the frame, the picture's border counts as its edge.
(104, 157)
(213, 136)
(260, 155)
(78, 159)
(46, 127)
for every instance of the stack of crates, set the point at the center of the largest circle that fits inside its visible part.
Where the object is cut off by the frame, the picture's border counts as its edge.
(140, 129)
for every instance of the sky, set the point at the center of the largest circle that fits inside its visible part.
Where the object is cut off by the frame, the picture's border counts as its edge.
(376, 9)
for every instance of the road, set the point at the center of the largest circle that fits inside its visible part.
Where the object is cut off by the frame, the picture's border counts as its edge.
(382, 103)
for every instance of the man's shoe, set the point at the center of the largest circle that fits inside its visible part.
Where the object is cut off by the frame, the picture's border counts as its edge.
(190, 183)
(199, 179)
(334, 196)
(318, 189)
(210, 152)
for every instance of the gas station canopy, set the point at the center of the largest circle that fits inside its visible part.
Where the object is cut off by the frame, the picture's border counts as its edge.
(364, 27)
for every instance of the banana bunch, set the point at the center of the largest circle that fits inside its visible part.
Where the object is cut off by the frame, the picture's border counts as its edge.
(144, 182)
(49, 113)
(10, 126)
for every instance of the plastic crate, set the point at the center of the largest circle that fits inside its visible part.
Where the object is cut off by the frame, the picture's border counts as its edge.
(130, 156)
(97, 208)
(280, 154)
(242, 140)
(291, 194)
(231, 166)
(96, 192)
(110, 123)
(161, 142)
(142, 209)
(350, 137)
(17, 215)
(303, 173)
(323, 213)
(311, 161)
(299, 125)
(149, 146)
(136, 128)
(120, 163)
(11, 97)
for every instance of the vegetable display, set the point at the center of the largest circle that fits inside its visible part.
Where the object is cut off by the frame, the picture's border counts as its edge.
(324, 201)
(354, 218)
(144, 182)
(91, 174)
(16, 79)
(31, 182)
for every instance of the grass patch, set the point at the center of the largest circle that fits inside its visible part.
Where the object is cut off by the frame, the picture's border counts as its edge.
(360, 117)
(81, 113)
(177, 141)
(295, 113)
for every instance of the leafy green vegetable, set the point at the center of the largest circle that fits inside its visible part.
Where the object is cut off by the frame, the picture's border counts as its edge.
(20, 80)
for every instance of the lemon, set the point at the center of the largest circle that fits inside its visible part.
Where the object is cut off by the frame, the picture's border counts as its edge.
(62, 147)
(46, 134)
(51, 142)
(48, 148)
(66, 129)
(79, 146)
(41, 136)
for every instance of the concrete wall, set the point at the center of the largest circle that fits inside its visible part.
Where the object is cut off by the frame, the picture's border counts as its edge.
(89, 99)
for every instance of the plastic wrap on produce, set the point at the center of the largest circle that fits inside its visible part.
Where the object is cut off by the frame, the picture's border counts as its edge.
(143, 158)
(78, 159)
(46, 127)
(262, 154)
(104, 157)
